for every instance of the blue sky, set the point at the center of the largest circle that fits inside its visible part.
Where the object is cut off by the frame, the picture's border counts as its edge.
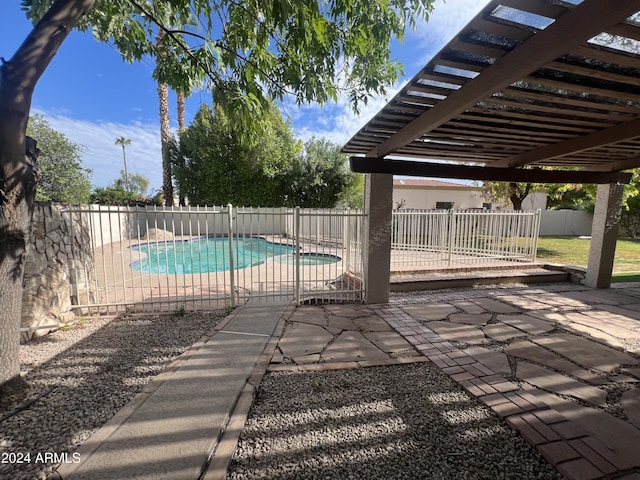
(92, 96)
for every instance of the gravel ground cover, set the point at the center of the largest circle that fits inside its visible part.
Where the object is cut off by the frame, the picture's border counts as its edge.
(391, 422)
(79, 378)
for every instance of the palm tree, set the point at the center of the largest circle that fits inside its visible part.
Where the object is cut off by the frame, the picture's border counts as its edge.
(165, 131)
(124, 142)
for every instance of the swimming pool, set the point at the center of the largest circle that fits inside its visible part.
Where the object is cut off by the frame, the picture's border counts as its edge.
(205, 254)
(308, 259)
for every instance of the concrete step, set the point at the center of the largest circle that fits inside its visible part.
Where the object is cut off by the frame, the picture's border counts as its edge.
(459, 279)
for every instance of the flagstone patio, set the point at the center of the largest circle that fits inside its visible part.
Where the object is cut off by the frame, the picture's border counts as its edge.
(560, 363)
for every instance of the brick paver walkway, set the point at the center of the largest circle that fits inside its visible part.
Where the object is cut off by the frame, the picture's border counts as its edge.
(559, 363)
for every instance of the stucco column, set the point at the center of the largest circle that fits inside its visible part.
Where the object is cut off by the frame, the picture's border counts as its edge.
(604, 234)
(378, 205)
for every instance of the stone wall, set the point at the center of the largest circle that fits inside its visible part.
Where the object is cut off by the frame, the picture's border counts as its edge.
(59, 270)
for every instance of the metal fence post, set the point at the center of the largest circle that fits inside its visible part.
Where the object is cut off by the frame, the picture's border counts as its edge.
(451, 236)
(296, 233)
(346, 238)
(232, 280)
(535, 234)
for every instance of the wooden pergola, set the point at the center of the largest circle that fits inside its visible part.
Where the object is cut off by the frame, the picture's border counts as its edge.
(541, 91)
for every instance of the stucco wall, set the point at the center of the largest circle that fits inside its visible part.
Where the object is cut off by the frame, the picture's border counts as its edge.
(566, 222)
(426, 198)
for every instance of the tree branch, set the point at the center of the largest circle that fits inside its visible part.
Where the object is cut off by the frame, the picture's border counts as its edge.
(216, 79)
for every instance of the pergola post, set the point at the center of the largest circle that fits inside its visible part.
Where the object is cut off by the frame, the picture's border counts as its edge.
(378, 205)
(604, 234)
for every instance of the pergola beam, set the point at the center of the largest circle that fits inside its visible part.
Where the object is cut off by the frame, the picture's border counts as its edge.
(470, 172)
(600, 138)
(570, 30)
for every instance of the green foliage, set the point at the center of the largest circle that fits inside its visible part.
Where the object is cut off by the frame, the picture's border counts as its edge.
(570, 196)
(630, 219)
(138, 183)
(353, 194)
(254, 50)
(319, 177)
(503, 192)
(218, 163)
(116, 195)
(64, 179)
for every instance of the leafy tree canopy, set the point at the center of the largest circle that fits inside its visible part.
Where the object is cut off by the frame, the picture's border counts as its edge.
(138, 183)
(117, 195)
(320, 177)
(217, 163)
(255, 50)
(62, 176)
(508, 191)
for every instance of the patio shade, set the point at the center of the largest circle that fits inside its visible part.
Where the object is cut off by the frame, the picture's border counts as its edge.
(529, 90)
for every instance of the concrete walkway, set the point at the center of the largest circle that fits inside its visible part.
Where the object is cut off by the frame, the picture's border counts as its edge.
(171, 429)
(559, 363)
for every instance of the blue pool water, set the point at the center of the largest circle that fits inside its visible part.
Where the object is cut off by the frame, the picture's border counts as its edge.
(207, 254)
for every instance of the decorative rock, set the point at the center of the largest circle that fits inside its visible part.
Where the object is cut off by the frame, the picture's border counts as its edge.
(54, 280)
(158, 234)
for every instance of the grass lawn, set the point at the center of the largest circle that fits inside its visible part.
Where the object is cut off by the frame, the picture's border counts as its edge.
(575, 251)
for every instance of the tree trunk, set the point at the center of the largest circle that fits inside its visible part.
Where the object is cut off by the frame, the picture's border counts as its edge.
(181, 127)
(517, 195)
(165, 138)
(165, 132)
(18, 169)
(181, 100)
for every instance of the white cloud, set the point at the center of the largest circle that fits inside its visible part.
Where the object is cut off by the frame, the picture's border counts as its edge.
(104, 157)
(446, 20)
(338, 122)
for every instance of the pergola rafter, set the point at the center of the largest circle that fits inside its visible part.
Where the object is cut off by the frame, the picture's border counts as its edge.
(523, 84)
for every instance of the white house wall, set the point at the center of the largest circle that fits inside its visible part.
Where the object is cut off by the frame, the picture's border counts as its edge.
(462, 197)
